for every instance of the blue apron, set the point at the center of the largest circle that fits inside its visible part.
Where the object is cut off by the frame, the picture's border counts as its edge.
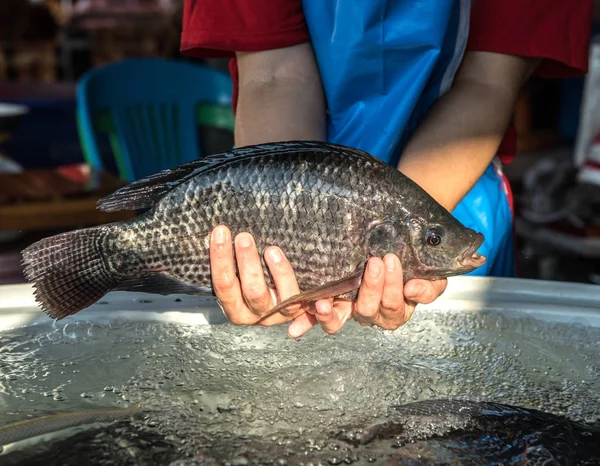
(383, 64)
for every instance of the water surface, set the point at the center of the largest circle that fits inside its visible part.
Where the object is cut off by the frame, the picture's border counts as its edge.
(226, 394)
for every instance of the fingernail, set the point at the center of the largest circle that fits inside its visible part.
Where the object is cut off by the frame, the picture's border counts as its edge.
(245, 240)
(219, 235)
(415, 291)
(391, 262)
(323, 308)
(275, 255)
(293, 332)
(374, 269)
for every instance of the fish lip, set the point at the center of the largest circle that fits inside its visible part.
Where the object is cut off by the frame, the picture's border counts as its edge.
(470, 258)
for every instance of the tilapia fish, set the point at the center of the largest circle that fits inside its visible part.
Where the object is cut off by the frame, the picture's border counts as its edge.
(52, 423)
(448, 432)
(327, 206)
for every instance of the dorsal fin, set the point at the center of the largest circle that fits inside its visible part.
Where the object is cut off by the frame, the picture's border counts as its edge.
(147, 191)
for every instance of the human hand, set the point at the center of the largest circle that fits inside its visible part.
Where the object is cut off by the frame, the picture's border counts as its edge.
(247, 299)
(382, 300)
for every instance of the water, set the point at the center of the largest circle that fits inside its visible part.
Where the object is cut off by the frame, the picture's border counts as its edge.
(226, 394)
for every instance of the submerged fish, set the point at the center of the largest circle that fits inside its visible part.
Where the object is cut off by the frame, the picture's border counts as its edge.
(328, 207)
(452, 432)
(52, 423)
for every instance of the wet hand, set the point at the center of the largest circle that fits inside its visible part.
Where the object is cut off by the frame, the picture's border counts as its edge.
(247, 299)
(382, 300)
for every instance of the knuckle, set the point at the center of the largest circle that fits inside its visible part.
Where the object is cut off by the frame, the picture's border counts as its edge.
(291, 311)
(368, 306)
(238, 318)
(237, 312)
(396, 325)
(254, 291)
(394, 279)
(393, 314)
(234, 319)
(372, 292)
(392, 324)
(366, 312)
(222, 283)
(392, 302)
(330, 330)
(258, 304)
(427, 297)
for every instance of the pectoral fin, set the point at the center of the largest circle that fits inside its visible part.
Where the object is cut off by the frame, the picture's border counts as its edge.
(328, 290)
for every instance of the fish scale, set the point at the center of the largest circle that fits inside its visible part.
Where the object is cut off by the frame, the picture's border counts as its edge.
(328, 207)
(267, 221)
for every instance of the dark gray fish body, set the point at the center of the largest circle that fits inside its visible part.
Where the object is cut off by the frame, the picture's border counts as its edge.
(328, 207)
(47, 424)
(449, 432)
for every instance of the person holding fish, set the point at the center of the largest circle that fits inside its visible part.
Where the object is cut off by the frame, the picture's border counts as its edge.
(429, 87)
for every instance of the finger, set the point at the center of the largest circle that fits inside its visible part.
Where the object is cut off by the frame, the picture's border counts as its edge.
(284, 279)
(409, 310)
(440, 286)
(275, 319)
(370, 292)
(332, 317)
(254, 287)
(302, 324)
(392, 299)
(224, 280)
(424, 291)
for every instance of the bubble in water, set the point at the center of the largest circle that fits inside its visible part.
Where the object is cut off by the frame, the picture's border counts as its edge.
(252, 394)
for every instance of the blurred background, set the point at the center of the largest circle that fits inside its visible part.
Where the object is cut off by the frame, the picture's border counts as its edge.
(83, 86)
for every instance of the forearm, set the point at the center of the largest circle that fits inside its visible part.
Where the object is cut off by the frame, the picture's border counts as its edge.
(459, 138)
(451, 149)
(278, 111)
(280, 97)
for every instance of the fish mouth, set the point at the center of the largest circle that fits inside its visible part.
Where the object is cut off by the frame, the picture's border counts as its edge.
(470, 258)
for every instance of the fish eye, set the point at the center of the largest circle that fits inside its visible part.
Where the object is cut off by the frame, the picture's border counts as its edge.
(434, 237)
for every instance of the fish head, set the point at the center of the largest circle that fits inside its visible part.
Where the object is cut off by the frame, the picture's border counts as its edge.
(440, 246)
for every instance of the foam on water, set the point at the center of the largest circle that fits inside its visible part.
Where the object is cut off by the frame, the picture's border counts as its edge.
(253, 395)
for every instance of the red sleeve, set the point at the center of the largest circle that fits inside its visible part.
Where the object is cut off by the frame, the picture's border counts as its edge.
(556, 30)
(218, 28)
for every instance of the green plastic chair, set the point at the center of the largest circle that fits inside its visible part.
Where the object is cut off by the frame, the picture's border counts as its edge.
(151, 110)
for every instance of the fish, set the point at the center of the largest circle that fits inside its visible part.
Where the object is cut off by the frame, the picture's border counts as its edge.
(328, 207)
(450, 431)
(30, 428)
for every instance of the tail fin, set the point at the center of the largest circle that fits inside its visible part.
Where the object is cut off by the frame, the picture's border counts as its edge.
(69, 271)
